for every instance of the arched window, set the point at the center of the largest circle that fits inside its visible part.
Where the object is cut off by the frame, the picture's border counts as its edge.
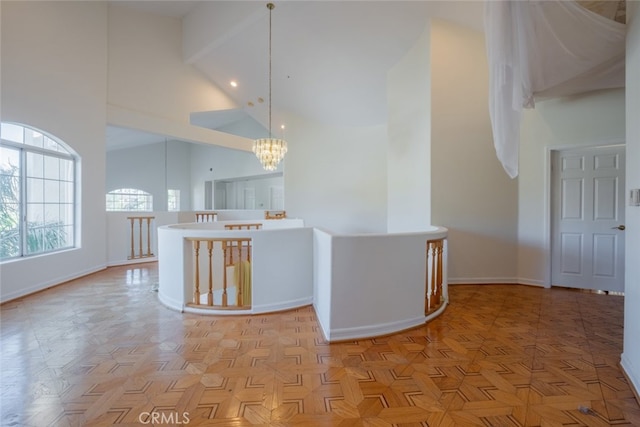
(37, 192)
(129, 199)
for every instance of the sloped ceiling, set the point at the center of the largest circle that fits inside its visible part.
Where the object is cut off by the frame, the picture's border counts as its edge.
(329, 58)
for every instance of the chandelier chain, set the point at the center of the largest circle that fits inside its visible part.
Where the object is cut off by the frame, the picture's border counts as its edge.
(270, 6)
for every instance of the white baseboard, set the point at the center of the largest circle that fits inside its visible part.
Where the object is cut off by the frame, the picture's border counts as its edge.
(281, 306)
(361, 332)
(51, 283)
(632, 373)
(494, 281)
(171, 303)
(131, 261)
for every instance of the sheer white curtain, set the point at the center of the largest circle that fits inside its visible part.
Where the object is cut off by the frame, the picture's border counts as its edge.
(539, 49)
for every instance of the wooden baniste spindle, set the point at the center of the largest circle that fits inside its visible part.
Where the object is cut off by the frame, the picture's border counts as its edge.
(235, 252)
(140, 220)
(208, 216)
(433, 298)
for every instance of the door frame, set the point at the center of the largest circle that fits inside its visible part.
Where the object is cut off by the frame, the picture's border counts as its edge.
(548, 191)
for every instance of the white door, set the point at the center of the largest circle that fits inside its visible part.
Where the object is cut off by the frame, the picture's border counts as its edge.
(587, 241)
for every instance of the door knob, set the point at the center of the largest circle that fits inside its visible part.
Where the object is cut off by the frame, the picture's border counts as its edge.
(619, 227)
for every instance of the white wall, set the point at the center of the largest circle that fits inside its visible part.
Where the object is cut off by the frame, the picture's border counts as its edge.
(409, 152)
(596, 118)
(631, 355)
(336, 177)
(146, 70)
(54, 62)
(470, 193)
(150, 88)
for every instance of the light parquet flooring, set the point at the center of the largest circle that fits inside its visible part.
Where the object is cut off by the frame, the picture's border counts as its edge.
(103, 351)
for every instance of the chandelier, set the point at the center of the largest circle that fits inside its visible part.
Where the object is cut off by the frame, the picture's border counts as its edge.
(270, 150)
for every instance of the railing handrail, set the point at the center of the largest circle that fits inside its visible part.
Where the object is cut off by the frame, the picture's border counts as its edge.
(219, 239)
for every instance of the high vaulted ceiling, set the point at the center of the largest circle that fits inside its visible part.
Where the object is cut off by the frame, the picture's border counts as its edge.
(329, 58)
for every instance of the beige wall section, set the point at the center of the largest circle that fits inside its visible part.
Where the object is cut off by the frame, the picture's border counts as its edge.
(471, 194)
(596, 118)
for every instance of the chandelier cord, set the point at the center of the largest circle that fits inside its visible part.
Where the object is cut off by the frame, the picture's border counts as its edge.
(270, 6)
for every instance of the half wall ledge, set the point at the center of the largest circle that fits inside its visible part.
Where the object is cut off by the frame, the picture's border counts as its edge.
(361, 286)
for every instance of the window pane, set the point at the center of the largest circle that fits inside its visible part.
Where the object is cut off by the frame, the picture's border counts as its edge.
(9, 189)
(66, 213)
(51, 191)
(9, 216)
(35, 165)
(66, 170)
(9, 230)
(9, 241)
(68, 236)
(35, 240)
(50, 144)
(54, 237)
(9, 202)
(173, 200)
(35, 190)
(51, 167)
(9, 161)
(32, 137)
(35, 214)
(11, 132)
(66, 192)
(52, 215)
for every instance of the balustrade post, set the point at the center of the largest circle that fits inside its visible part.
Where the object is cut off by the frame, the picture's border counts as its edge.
(131, 219)
(149, 236)
(210, 293)
(434, 275)
(224, 274)
(196, 293)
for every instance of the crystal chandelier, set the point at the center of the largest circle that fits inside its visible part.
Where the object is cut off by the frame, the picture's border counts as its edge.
(270, 150)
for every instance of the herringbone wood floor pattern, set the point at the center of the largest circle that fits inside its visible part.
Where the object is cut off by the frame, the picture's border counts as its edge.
(103, 351)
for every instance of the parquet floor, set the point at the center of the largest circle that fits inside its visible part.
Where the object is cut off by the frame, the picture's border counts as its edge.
(103, 351)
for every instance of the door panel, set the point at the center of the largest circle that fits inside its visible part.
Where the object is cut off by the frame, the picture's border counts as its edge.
(587, 249)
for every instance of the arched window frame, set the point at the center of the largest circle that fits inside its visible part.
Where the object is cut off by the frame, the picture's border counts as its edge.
(129, 200)
(38, 189)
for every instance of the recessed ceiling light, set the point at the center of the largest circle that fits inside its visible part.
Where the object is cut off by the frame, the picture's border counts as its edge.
(233, 83)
